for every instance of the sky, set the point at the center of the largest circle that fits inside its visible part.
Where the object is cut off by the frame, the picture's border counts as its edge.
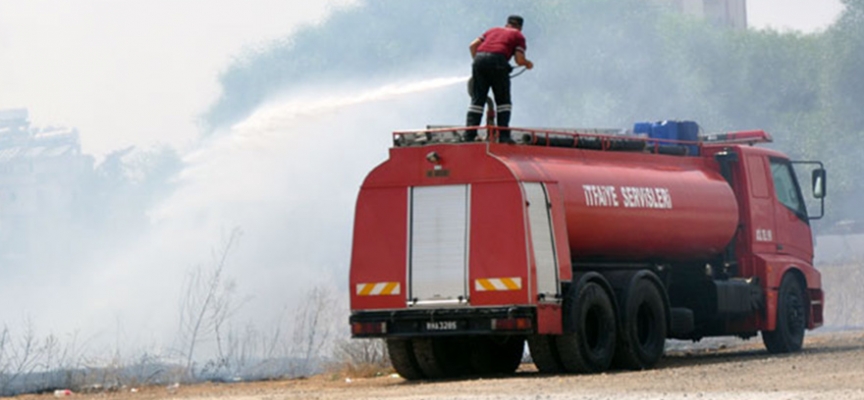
(141, 72)
(801, 15)
(131, 72)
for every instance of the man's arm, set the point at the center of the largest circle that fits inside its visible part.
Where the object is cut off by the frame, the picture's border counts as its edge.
(521, 60)
(473, 47)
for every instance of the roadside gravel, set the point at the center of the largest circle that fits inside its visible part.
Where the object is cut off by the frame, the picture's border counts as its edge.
(830, 367)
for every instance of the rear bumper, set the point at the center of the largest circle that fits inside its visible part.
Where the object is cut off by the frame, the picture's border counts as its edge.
(445, 322)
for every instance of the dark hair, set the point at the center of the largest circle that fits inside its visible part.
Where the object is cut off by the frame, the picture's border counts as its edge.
(515, 20)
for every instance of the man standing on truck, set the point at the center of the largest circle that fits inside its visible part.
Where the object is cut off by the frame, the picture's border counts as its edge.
(491, 68)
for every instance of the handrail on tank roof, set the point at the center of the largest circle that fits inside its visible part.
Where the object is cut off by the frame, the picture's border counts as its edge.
(598, 139)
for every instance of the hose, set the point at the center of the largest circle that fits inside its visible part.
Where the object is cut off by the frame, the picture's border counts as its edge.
(519, 71)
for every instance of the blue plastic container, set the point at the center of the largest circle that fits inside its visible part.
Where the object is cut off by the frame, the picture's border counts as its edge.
(664, 130)
(670, 130)
(643, 128)
(689, 131)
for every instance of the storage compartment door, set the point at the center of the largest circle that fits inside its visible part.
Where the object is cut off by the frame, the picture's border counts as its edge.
(438, 245)
(542, 240)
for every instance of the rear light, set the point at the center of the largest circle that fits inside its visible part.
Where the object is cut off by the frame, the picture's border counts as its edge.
(511, 324)
(368, 328)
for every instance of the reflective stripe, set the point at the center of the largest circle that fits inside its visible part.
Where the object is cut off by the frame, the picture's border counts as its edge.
(378, 289)
(504, 107)
(364, 290)
(484, 285)
(497, 284)
(475, 109)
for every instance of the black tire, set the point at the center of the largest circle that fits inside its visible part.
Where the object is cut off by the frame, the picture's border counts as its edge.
(544, 353)
(642, 336)
(402, 358)
(588, 342)
(788, 336)
(441, 358)
(496, 354)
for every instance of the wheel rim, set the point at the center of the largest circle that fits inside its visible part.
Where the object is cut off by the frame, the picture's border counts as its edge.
(794, 313)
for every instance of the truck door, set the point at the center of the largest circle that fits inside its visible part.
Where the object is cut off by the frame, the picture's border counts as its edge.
(542, 240)
(790, 211)
(438, 243)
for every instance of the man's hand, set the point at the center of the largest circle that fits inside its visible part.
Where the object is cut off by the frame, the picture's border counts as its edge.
(521, 60)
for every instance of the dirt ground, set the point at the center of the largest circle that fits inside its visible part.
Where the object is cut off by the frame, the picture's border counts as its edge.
(830, 367)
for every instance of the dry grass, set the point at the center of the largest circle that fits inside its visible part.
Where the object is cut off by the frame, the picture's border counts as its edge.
(361, 358)
(843, 284)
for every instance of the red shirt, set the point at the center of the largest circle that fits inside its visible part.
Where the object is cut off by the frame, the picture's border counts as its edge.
(502, 41)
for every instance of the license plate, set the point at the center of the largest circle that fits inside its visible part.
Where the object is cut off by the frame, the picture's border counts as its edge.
(441, 326)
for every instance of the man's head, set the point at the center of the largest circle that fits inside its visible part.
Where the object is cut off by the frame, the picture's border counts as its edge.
(515, 21)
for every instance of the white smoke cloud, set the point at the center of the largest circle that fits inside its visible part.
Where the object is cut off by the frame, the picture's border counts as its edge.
(287, 176)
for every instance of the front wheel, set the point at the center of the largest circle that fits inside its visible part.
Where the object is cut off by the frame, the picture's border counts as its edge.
(788, 335)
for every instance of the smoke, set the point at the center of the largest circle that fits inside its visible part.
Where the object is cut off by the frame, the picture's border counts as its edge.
(287, 177)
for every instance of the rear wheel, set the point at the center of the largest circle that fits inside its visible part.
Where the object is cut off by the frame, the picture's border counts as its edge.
(544, 353)
(496, 354)
(588, 343)
(788, 335)
(444, 357)
(643, 331)
(402, 358)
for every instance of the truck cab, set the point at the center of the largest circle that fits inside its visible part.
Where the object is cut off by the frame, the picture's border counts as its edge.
(775, 237)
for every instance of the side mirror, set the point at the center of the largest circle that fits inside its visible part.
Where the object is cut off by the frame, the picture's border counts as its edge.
(819, 183)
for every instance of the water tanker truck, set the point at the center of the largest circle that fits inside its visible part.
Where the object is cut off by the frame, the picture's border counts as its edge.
(593, 246)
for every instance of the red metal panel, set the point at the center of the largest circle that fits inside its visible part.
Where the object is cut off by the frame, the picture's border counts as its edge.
(770, 269)
(498, 242)
(549, 320)
(776, 265)
(379, 252)
(498, 232)
(457, 164)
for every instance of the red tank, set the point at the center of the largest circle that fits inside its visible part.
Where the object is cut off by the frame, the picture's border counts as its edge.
(627, 207)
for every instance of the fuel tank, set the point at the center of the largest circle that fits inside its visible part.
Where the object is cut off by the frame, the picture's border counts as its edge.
(623, 206)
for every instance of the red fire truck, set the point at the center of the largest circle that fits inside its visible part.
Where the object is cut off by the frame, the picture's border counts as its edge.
(592, 246)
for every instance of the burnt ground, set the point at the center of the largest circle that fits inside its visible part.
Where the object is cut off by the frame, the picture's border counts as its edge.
(831, 366)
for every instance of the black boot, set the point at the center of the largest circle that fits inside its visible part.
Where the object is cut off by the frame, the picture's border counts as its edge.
(473, 119)
(504, 122)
